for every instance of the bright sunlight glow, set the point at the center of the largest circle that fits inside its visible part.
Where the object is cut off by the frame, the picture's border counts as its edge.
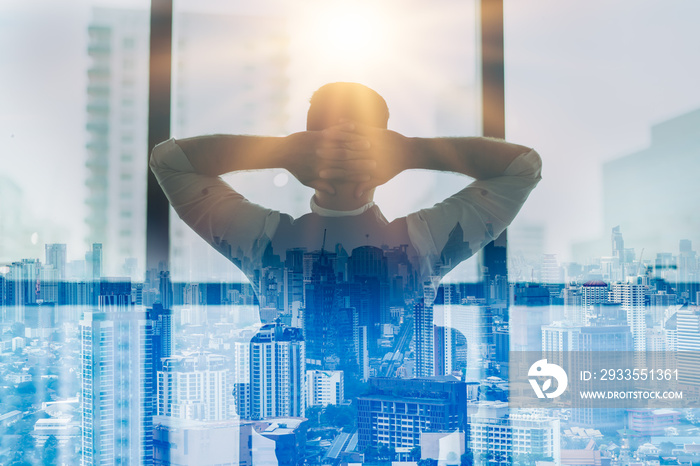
(346, 35)
(351, 34)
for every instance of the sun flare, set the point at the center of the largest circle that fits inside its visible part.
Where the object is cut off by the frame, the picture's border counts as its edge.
(351, 34)
(347, 35)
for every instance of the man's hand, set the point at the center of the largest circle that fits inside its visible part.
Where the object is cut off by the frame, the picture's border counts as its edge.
(337, 153)
(385, 154)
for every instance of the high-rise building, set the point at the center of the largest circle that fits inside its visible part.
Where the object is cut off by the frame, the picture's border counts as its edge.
(324, 388)
(23, 289)
(564, 336)
(659, 302)
(573, 309)
(94, 262)
(39, 320)
(530, 310)
(56, 258)
(631, 297)
(195, 386)
(594, 294)
(163, 342)
(577, 347)
(552, 273)
(560, 336)
(368, 291)
(688, 346)
(499, 434)
(688, 271)
(330, 327)
(116, 380)
(277, 374)
(424, 334)
(117, 100)
(391, 414)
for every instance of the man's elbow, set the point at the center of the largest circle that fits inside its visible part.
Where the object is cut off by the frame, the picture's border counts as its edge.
(154, 159)
(532, 168)
(537, 164)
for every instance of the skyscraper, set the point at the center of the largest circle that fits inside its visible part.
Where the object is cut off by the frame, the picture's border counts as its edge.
(195, 386)
(688, 271)
(688, 361)
(321, 305)
(578, 347)
(240, 378)
(631, 296)
(93, 259)
(116, 380)
(424, 334)
(497, 433)
(391, 414)
(594, 294)
(162, 342)
(278, 370)
(56, 258)
(324, 388)
(117, 99)
(368, 271)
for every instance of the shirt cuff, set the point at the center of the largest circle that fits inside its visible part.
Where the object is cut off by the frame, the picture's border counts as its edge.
(527, 164)
(168, 154)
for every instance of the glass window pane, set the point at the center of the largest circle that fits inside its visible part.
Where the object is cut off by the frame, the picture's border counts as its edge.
(74, 93)
(332, 318)
(603, 254)
(268, 61)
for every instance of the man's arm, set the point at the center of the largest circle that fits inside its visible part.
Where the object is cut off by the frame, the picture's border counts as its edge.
(480, 158)
(459, 226)
(208, 205)
(298, 153)
(454, 229)
(477, 157)
(188, 171)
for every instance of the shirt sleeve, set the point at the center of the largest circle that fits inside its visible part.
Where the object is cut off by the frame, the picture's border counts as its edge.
(451, 231)
(238, 228)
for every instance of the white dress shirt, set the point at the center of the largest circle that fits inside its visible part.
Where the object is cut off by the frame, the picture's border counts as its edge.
(218, 213)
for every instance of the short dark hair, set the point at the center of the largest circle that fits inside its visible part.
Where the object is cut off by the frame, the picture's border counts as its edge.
(353, 101)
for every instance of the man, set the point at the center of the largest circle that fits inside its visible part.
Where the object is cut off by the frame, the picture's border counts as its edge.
(344, 263)
(344, 154)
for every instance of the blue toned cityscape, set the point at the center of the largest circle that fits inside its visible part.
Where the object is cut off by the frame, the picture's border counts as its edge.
(572, 339)
(103, 370)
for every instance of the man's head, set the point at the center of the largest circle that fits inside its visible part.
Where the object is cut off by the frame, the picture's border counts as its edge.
(345, 101)
(351, 101)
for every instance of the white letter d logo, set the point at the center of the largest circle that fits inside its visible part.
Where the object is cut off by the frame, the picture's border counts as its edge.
(542, 369)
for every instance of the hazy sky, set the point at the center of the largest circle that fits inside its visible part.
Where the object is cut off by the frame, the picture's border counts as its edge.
(584, 83)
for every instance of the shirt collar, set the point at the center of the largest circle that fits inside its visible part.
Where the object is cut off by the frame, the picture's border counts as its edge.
(323, 212)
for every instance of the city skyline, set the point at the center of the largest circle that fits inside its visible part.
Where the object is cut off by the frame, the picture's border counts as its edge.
(588, 314)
